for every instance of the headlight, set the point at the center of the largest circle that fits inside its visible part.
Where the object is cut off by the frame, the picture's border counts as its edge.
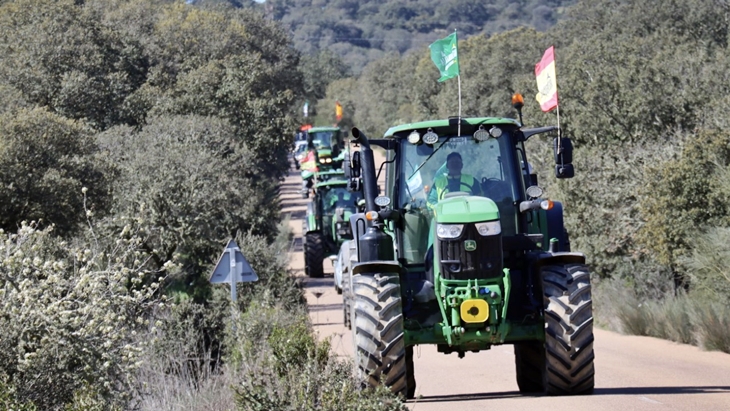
(449, 230)
(489, 228)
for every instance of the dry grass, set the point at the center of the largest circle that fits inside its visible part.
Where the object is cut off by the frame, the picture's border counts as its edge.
(685, 318)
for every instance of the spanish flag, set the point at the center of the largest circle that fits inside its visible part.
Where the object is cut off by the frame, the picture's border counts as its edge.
(547, 83)
(338, 111)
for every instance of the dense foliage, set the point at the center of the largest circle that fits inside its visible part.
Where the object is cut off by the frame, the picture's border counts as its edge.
(642, 89)
(137, 137)
(363, 31)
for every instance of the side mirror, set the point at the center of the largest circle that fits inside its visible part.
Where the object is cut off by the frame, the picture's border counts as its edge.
(346, 166)
(352, 171)
(356, 164)
(563, 149)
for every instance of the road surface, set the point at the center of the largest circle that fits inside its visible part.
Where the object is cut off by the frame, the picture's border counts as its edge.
(632, 373)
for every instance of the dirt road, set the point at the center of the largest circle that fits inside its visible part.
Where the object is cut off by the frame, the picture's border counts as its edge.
(632, 373)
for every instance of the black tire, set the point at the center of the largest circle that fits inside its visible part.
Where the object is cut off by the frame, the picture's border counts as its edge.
(530, 366)
(314, 255)
(346, 299)
(568, 329)
(380, 351)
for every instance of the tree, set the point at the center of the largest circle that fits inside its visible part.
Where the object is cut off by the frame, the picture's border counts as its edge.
(60, 58)
(195, 185)
(45, 162)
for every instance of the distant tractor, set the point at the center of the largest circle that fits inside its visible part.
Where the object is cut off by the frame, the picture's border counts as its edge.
(466, 260)
(327, 224)
(324, 151)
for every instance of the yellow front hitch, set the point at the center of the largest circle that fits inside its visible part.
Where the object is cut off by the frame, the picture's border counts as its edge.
(474, 311)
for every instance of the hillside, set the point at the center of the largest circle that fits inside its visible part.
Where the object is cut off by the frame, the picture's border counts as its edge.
(361, 31)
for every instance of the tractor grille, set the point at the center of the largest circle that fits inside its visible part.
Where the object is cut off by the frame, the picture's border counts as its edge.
(484, 262)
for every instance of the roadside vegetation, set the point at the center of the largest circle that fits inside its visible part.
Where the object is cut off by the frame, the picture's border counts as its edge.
(644, 94)
(137, 137)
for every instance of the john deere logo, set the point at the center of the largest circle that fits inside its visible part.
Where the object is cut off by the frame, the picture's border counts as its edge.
(470, 245)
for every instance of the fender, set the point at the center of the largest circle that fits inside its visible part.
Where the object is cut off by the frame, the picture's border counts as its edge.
(559, 258)
(377, 267)
(556, 228)
(310, 222)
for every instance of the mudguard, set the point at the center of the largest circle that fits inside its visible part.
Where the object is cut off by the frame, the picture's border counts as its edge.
(559, 258)
(376, 267)
(310, 222)
(556, 227)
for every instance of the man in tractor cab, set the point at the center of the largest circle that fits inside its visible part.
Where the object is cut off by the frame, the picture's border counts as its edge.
(452, 181)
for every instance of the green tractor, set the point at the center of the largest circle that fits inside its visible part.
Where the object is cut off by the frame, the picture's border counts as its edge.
(324, 152)
(327, 224)
(466, 260)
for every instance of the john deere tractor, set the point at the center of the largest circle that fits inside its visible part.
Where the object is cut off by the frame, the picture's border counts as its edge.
(324, 152)
(466, 262)
(327, 225)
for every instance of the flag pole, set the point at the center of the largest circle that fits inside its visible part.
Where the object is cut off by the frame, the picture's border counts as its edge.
(458, 78)
(557, 105)
(459, 127)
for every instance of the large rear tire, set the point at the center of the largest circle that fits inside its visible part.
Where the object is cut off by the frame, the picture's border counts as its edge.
(314, 255)
(568, 329)
(530, 366)
(380, 351)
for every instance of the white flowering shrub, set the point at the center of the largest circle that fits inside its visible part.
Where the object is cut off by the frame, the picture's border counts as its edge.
(71, 314)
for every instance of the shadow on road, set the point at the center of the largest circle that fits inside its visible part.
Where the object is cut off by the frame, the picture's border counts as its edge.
(327, 281)
(598, 391)
(296, 245)
(323, 324)
(325, 307)
(297, 215)
(467, 397)
(719, 389)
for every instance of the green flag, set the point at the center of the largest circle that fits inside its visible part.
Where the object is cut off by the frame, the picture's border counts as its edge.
(445, 56)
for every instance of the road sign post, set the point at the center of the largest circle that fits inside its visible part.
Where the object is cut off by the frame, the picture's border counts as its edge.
(233, 268)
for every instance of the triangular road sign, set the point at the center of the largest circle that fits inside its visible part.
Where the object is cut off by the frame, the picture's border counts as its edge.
(238, 271)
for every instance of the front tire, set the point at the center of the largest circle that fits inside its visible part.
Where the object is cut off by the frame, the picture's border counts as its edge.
(314, 255)
(568, 329)
(530, 366)
(380, 351)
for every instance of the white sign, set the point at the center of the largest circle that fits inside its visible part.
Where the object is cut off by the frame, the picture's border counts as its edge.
(233, 268)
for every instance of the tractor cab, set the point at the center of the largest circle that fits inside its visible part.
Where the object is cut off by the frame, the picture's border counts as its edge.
(485, 182)
(328, 141)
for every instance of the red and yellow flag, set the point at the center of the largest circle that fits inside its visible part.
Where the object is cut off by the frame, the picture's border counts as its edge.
(338, 110)
(309, 163)
(547, 83)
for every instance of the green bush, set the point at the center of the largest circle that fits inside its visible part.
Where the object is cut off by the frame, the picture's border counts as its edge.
(45, 161)
(281, 366)
(8, 398)
(71, 315)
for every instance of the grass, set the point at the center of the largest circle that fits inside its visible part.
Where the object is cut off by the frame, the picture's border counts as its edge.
(685, 318)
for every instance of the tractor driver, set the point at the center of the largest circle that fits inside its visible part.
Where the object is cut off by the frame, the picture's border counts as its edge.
(338, 200)
(452, 181)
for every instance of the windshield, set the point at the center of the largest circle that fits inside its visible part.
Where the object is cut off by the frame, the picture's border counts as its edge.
(323, 139)
(339, 197)
(487, 169)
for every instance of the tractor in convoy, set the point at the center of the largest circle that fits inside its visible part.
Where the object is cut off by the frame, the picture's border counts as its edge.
(324, 152)
(462, 251)
(327, 223)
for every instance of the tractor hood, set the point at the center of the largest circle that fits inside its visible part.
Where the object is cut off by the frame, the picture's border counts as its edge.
(466, 209)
